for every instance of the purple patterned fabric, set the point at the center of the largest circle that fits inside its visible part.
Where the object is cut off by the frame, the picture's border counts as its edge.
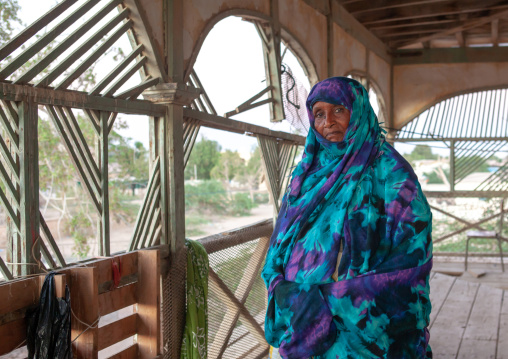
(359, 192)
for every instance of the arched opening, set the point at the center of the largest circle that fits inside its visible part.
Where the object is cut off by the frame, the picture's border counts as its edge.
(375, 97)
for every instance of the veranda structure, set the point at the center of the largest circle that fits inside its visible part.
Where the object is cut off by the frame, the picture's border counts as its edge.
(415, 54)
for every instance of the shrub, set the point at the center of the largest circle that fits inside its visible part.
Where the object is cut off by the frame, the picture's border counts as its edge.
(241, 204)
(206, 196)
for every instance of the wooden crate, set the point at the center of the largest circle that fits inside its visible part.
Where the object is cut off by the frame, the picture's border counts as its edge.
(94, 296)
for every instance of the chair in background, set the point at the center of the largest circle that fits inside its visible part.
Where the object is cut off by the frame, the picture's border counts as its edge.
(497, 235)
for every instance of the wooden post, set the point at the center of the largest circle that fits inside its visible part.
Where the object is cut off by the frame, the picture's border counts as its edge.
(25, 247)
(452, 165)
(104, 245)
(273, 64)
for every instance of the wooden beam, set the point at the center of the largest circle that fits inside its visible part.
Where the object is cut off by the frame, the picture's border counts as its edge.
(359, 8)
(29, 186)
(226, 124)
(412, 24)
(221, 241)
(495, 32)
(143, 33)
(450, 55)
(434, 14)
(353, 27)
(460, 38)
(465, 26)
(78, 99)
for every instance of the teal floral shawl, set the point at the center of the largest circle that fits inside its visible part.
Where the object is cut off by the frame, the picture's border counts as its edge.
(359, 192)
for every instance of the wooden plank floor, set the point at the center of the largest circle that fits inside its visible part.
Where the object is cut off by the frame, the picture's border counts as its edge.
(468, 319)
(493, 275)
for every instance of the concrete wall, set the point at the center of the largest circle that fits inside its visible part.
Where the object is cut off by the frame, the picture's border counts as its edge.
(417, 87)
(308, 27)
(350, 56)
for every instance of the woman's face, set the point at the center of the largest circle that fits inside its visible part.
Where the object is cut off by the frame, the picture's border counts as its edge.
(331, 121)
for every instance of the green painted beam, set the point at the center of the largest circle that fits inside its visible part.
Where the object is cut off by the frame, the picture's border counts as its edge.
(450, 55)
(78, 99)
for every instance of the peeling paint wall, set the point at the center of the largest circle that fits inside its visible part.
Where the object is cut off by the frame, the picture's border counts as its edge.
(348, 53)
(417, 87)
(154, 13)
(308, 26)
(380, 71)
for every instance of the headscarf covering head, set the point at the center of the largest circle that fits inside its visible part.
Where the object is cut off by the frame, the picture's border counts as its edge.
(362, 133)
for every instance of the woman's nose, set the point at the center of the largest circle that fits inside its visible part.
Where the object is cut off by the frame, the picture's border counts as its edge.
(329, 119)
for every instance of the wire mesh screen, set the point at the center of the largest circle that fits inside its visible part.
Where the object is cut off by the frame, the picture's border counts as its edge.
(294, 97)
(173, 306)
(237, 301)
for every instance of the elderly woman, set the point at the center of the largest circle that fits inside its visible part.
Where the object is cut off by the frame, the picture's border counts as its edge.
(348, 266)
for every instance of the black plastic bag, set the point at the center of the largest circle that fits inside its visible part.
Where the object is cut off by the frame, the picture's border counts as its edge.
(49, 325)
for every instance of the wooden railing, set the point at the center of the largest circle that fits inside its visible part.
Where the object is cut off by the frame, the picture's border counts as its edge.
(237, 296)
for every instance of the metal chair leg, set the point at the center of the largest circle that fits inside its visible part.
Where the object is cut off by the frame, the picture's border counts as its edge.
(467, 250)
(500, 252)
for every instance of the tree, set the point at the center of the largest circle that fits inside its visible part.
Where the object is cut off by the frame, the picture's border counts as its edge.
(230, 165)
(421, 152)
(204, 156)
(8, 16)
(252, 173)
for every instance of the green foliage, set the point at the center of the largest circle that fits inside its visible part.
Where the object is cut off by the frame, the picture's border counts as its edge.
(8, 16)
(473, 164)
(241, 204)
(80, 228)
(261, 198)
(420, 152)
(207, 196)
(131, 160)
(434, 178)
(205, 156)
(192, 224)
(229, 166)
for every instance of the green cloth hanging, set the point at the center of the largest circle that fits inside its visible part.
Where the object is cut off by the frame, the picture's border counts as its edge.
(195, 337)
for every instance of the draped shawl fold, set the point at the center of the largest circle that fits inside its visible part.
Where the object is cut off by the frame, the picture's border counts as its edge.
(362, 193)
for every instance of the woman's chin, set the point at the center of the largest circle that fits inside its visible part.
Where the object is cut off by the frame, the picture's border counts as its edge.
(335, 137)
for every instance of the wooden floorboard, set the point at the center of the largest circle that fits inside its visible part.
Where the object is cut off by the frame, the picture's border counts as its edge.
(448, 329)
(469, 318)
(492, 276)
(480, 337)
(440, 286)
(502, 344)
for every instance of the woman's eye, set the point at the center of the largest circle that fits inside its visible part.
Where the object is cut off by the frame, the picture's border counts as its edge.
(339, 110)
(319, 115)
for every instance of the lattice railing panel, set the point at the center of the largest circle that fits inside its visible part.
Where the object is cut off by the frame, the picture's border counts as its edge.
(481, 114)
(278, 155)
(10, 173)
(78, 36)
(237, 296)
(148, 228)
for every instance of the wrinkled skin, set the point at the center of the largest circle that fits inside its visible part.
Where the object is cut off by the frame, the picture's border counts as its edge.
(331, 121)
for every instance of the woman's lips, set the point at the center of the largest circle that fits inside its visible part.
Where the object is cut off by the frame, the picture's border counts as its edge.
(333, 134)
